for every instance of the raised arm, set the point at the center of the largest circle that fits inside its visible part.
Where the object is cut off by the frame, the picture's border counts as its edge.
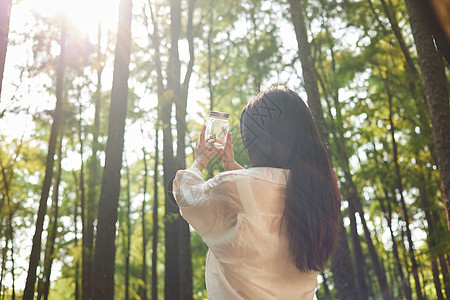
(227, 156)
(203, 154)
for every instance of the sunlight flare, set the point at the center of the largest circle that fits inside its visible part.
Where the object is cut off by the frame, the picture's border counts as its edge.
(85, 15)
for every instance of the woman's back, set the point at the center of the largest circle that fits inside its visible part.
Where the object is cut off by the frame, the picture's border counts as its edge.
(249, 254)
(269, 232)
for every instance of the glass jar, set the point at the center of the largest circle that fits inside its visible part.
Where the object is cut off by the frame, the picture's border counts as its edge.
(216, 129)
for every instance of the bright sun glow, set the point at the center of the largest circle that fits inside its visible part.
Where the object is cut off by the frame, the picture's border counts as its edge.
(83, 14)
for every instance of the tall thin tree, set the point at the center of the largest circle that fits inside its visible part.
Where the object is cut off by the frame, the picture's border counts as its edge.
(10, 212)
(7, 180)
(36, 247)
(154, 37)
(431, 239)
(93, 183)
(435, 83)
(143, 288)
(128, 233)
(44, 283)
(81, 183)
(385, 204)
(172, 219)
(178, 265)
(210, 56)
(155, 219)
(75, 241)
(348, 189)
(400, 190)
(5, 11)
(109, 197)
(9, 234)
(181, 106)
(3, 271)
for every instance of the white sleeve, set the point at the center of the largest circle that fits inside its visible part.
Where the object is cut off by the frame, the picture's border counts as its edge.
(206, 206)
(188, 187)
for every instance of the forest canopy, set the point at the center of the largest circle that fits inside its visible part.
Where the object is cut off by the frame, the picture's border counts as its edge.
(102, 101)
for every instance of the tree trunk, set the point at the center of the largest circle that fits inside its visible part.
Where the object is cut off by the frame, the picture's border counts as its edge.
(358, 255)
(9, 231)
(171, 275)
(7, 180)
(443, 263)
(399, 187)
(436, 280)
(359, 259)
(381, 276)
(75, 240)
(309, 73)
(128, 239)
(128, 246)
(341, 271)
(445, 275)
(398, 34)
(181, 106)
(93, 187)
(143, 289)
(156, 45)
(341, 262)
(325, 284)
(353, 195)
(403, 242)
(2, 273)
(161, 105)
(210, 167)
(435, 83)
(388, 215)
(84, 209)
(405, 285)
(350, 195)
(155, 220)
(178, 273)
(50, 244)
(448, 259)
(5, 11)
(209, 41)
(355, 206)
(426, 206)
(253, 50)
(177, 230)
(36, 248)
(172, 217)
(109, 197)
(11, 249)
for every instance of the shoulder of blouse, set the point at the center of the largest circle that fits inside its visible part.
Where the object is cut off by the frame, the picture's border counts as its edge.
(272, 175)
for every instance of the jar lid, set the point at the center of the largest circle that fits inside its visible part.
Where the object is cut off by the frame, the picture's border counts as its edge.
(218, 114)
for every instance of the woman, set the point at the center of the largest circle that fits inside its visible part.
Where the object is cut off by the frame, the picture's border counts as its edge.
(272, 227)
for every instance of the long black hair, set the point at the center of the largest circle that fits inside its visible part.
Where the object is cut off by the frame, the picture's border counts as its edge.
(278, 131)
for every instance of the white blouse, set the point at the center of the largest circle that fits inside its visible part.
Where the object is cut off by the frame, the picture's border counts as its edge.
(238, 215)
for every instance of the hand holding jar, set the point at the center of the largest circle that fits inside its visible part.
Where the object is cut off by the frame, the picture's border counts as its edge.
(216, 130)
